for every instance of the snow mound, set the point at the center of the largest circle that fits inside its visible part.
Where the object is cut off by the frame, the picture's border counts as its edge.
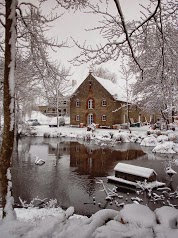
(169, 219)
(122, 137)
(139, 215)
(150, 140)
(166, 147)
(162, 138)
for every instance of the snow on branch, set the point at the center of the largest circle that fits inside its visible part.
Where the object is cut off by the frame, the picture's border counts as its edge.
(122, 106)
(127, 35)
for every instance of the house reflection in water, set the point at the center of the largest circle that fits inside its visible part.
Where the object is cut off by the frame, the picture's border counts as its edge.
(93, 161)
(72, 181)
(88, 162)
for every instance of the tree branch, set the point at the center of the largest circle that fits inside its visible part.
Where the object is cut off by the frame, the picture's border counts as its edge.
(126, 34)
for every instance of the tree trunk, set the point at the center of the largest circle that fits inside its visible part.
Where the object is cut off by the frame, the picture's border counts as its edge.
(166, 119)
(8, 103)
(173, 114)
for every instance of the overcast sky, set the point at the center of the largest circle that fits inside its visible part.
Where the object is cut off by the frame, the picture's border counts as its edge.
(73, 24)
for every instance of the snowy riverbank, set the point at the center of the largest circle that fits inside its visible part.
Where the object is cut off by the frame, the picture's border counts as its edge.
(132, 221)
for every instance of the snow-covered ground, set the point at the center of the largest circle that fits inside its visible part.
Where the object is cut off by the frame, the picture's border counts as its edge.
(134, 220)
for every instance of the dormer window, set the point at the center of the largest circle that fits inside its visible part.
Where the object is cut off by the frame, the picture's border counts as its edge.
(77, 103)
(104, 102)
(90, 104)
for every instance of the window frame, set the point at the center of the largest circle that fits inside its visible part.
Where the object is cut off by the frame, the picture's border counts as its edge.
(90, 103)
(77, 103)
(77, 117)
(104, 103)
(103, 118)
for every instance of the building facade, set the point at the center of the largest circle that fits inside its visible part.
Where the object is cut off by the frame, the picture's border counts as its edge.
(51, 109)
(99, 101)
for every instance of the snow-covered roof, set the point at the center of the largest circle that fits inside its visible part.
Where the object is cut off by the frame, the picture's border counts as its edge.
(112, 88)
(134, 170)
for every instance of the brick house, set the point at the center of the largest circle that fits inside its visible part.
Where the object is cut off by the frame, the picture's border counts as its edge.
(97, 100)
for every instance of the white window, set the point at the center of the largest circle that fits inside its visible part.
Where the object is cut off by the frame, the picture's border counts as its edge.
(90, 104)
(77, 118)
(103, 117)
(77, 103)
(90, 119)
(104, 102)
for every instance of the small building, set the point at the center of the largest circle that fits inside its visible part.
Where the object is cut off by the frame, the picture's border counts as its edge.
(135, 176)
(134, 173)
(51, 109)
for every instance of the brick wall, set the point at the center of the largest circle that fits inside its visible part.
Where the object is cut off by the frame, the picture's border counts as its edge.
(91, 89)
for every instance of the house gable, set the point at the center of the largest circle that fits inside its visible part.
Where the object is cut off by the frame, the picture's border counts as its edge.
(97, 100)
(92, 98)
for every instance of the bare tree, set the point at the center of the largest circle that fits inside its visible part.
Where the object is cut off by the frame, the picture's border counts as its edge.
(9, 104)
(123, 37)
(104, 73)
(27, 88)
(158, 54)
(25, 23)
(1, 91)
(56, 87)
(127, 76)
(150, 44)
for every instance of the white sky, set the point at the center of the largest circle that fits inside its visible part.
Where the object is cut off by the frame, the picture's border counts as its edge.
(73, 24)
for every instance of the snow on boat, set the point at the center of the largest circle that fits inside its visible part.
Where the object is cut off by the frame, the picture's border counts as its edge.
(135, 176)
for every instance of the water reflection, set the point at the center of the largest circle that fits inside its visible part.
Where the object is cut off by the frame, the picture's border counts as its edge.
(72, 168)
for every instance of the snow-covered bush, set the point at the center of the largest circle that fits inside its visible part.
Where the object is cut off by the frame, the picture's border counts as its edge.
(46, 135)
(88, 136)
(162, 138)
(91, 127)
(121, 137)
(175, 147)
(166, 147)
(171, 136)
(150, 140)
(51, 203)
